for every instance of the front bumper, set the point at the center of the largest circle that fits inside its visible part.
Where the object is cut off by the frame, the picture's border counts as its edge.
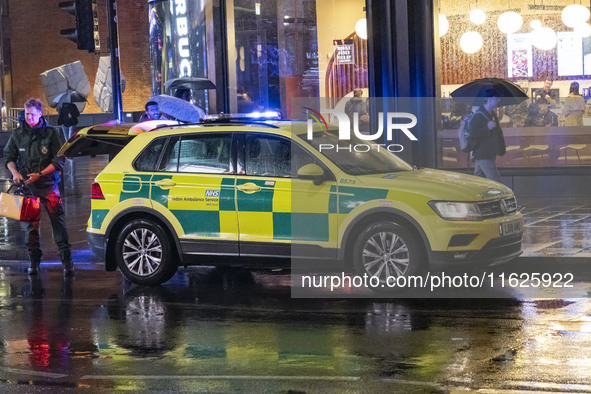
(497, 250)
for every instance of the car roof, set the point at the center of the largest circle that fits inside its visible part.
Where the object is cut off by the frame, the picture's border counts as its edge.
(111, 138)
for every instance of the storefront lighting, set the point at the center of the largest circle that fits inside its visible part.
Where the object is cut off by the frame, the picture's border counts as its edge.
(471, 42)
(535, 24)
(478, 17)
(443, 25)
(575, 14)
(584, 29)
(544, 38)
(509, 22)
(361, 28)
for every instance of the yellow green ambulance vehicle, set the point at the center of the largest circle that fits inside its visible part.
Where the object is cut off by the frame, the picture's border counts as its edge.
(237, 193)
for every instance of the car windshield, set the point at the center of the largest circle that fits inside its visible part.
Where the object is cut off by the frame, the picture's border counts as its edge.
(356, 157)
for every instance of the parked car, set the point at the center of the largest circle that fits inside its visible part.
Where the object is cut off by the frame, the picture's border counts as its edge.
(175, 195)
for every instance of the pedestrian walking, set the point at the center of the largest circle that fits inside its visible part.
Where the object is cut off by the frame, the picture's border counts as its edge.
(488, 135)
(68, 119)
(31, 157)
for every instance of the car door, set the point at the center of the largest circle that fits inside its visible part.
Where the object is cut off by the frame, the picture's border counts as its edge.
(278, 213)
(195, 186)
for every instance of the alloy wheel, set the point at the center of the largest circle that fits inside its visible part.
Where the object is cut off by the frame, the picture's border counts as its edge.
(142, 252)
(384, 255)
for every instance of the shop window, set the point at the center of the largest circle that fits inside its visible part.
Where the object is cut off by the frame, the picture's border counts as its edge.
(281, 50)
(561, 136)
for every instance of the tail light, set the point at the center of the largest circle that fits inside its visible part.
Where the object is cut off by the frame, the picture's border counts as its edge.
(95, 191)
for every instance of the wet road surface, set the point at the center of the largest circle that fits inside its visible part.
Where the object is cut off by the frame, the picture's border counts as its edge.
(213, 331)
(232, 331)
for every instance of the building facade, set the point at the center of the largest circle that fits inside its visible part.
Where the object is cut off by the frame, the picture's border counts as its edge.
(272, 52)
(32, 44)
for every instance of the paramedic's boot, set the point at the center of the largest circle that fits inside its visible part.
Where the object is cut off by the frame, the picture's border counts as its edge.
(34, 269)
(66, 256)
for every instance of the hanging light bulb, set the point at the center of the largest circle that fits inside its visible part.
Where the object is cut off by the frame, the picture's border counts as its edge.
(584, 29)
(509, 22)
(443, 25)
(478, 17)
(544, 38)
(574, 14)
(361, 28)
(535, 24)
(471, 42)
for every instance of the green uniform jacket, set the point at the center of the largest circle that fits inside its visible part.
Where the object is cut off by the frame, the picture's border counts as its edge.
(33, 149)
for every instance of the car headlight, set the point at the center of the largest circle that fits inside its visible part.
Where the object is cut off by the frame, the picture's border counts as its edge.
(456, 210)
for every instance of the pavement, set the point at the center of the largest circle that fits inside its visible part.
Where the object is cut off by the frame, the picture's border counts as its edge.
(556, 228)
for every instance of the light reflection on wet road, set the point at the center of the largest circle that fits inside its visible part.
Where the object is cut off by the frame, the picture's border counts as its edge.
(210, 331)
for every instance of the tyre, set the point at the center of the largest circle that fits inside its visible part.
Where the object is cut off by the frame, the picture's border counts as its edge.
(144, 253)
(387, 249)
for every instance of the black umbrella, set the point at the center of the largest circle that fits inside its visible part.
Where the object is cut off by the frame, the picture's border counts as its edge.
(189, 83)
(473, 92)
(70, 97)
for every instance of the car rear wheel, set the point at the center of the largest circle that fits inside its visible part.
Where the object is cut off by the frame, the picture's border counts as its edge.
(387, 249)
(144, 253)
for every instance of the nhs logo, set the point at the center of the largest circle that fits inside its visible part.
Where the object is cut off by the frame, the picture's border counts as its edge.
(212, 193)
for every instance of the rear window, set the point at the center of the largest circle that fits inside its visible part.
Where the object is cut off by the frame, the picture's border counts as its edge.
(148, 159)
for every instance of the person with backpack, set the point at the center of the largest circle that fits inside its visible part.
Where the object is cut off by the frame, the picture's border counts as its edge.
(487, 137)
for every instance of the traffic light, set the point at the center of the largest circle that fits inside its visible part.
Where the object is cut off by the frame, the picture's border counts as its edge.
(83, 34)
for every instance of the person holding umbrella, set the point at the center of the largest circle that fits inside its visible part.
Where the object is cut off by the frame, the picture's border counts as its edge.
(68, 110)
(152, 112)
(68, 119)
(484, 126)
(486, 131)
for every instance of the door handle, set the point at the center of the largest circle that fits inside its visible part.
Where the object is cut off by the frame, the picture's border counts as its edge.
(249, 188)
(165, 183)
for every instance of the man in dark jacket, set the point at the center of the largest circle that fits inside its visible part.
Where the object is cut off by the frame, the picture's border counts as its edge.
(68, 119)
(490, 143)
(31, 157)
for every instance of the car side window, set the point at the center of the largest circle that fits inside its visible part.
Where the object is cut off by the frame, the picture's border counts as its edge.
(204, 154)
(148, 159)
(170, 159)
(274, 156)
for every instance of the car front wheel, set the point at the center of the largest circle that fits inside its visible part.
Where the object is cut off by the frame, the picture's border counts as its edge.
(143, 253)
(387, 249)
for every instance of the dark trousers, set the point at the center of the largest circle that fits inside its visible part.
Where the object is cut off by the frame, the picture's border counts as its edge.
(51, 200)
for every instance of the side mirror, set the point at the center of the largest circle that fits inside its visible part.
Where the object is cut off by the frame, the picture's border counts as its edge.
(312, 172)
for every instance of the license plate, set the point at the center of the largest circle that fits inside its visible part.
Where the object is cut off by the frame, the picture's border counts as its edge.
(513, 227)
